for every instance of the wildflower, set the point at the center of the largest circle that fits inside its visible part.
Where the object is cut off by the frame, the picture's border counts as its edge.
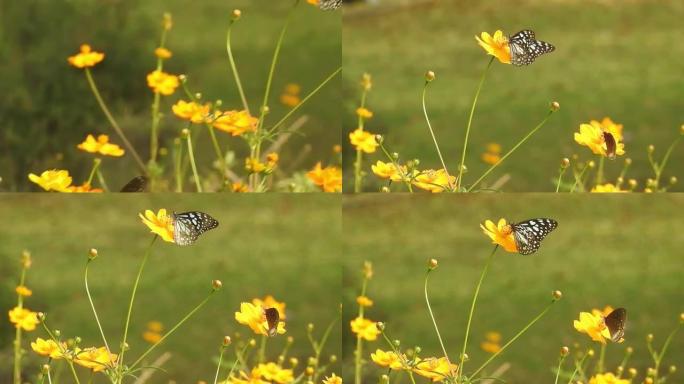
(155, 326)
(23, 318)
(366, 82)
(388, 170)
(254, 317)
(313, 2)
(496, 45)
(365, 329)
(191, 111)
(328, 178)
(332, 379)
(48, 348)
(52, 180)
(290, 96)
(607, 310)
(388, 359)
(240, 187)
(592, 324)
(159, 223)
(274, 372)
(253, 378)
(101, 146)
(163, 53)
(23, 291)
(152, 337)
(367, 270)
(235, 122)
(491, 343)
(435, 181)
(607, 378)
(606, 188)
(97, 359)
(501, 234)
(364, 113)
(272, 160)
(592, 136)
(435, 369)
(162, 82)
(86, 57)
(253, 165)
(492, 154)
(363, 140)
(84, 188)
(270, 302)
(364, 301)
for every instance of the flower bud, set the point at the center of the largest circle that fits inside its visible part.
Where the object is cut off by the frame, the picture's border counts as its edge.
(167, 21)
(125, 347)
(384, 379)
(651, 148)
(557, 295)
(216, 284)
(309, 371)
(429, 76)
(235, 15)
(629, 350)
(77, 340)
(649, 338)
(673, 180)
(620, 180)
(57, 333)
(681, 317)
(281, 358)
(198, 95)
(632, 372)
(218, 103)
(312, 361)
(672, 369)
(565, 162)
(432, 264)
(183, 78)
(379, 139)
(628, 161)
(590, 353)
(619, 370)
(395, 156)
(185, 133)
(554, 106)
(41, 316)
(396, 343)
(265, 109)
(648, 190)
(290, 339)
(648, 380)
(333, 359)
(564, 351)
(380, 325)
(681, 129)
(294, 361)
(309, 327)
(226, 341)
(591, 164)
(465, 357)
(252, 342)
(632, 183)
(26, 259)
(650, 372)
(418, 350)
(92, 253)
(45, 369)
(385, 189)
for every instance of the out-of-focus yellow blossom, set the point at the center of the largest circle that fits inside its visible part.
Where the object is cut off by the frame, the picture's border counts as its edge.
(388, 359)
(366, 82)
(84, 188)
(48, 348)
(270, 302)
(290, 96)
(602, 312)
(490, 158)
(328, 178)
(607, 378)
(155, 326)
(253, 165)
(500, 233)
(97, 359)
(313, 2)
(435, 369)
(365, 329)
(337, 148)
(52, 180)
(23, 291)
(159, 223)
(367, 270)
(492, 342)
(591, 136)
(191, 111)
(235, 122)
(254, 317)
(86, 57)
(274, 372)
(388, 170)
(334, 379)
(435, 181)
(240, 187)
(496, 45)
(364, 301)
(23, 318)
(607, 188)
(162, 82)
(363, 140)
(163, 53)
(593, 325)
(152, 337)
(100, 145)
(364, 113)
(272, 160)
(254, 377)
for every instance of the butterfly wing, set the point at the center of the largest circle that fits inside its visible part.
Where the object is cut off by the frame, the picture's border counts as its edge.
(137, 184)
(615, 321)
(529, 234)
(525, 48)
(272, 318)
(611, 144)
(327, 5)
(187, 226)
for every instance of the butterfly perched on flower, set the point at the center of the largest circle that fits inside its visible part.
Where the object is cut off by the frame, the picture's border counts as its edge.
(529, 234)
(187, 226)
(272, 318)
(615, 321)
(137, 184)
(525, 48)
(611, 145)
(327, 5)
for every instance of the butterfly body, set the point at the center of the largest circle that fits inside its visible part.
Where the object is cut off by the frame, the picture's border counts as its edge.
(615, 321)
(272, 318)
(525, 48)
(529, 234)
(611, 144)
(187, 226)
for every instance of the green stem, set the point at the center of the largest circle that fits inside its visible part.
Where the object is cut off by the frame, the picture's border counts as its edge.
(434, 322)
(472, 310)
(92, 306)
(178, 160)
(191, 156)
(560, 364)
(62, 350)
(219, 154)
(434, 139)
(359, 340)
(660, 355)
(18, 333)
(470, 121)
(237, 360)
(96, 165)
(218, 368)
(599, 172)
(236, 75)
(262, 349)
(578, 178)
(357, 171)
(154, 135)
(101, 179)
(659, 168)
(560, 178)
(578, 367)
(404, 176)
(602, 355)
(501, 160)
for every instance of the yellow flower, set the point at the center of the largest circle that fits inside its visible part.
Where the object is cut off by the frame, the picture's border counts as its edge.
(97, 359)
(52, 180)
(23, 318)
(490, 158)
(159, 223)
(84, 188)
(337, 148)
(272, 159)
(152, 337)
(435, 369)
(235, 122)
(253, 165)
(253, 378)
(274, 372)
(313, 2)
(155, 326)
(364, 301)
(494, 337)
(388, 170)
(591, 136)
(388, 359)
(491, 343)
(240, 187)
(364, 113)
(86, 58)
(163, 53)
(493, 148)
(363, 140)
(602, 312)
(101, 146)
(496, 45)
(23, 290)
(270, 302)
(328, 178)
(607, 378)
(162, 82)
(254, 317)
(606, 188)
(290, 96)
(365, 329)
(366, 82)
(434, 181)
(191, 111)
(48, 348)
(501, 234)
(332, 379)
(593, 325)
(367, 270)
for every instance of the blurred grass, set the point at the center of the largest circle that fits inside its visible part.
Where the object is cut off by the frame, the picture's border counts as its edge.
(621, 251)
(47, 108)
(287, 246)
(613, 58)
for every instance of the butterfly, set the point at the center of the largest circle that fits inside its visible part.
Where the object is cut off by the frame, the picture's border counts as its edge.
(525, 48)
(611, 144)
(327, 5)
(138, 184)
(187, 226)
(615, 321)
(529, 234)
(272, 318)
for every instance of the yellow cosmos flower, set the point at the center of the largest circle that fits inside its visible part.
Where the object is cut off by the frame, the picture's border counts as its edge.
(496, 45)
(48, 348)
(435, 369)
(270, 302)
(313, 2)
(332, 379)
(152, 337)
(274, 372)
(240, 187)
(602, 312)
(191, 111)
(435, 181)
(84, 188)
(52, 180)
(253, 165)
(86, 57)
(364, 113)
(23, 318)
(491, 343)
(501, 234)
(159, 223)
(163, 53)
(388, 359)
(607, 378)
(290, 96)
(254, 317)
(23, 290)
(235, 122)
(272, 159)
(591, 136)
(328, 178)
(364, 301)
(162, 82)
(363, 140)
(100, 145)
(155, 326)
(97, 359)
(593, 325)
(490, 158)
(365, 329)
(388, 170)
(607, 188)
(253, 378)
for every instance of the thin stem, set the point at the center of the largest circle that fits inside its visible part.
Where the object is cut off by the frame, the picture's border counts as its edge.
(470, 121)
(191, 156)
(92, 306)
(602, 355)
(101, 179)
(501, 160)
(560, 364)
(359, 340)
(599, 172)
(404, 176)
(218, 367)
(17, 336)
(578, 178)
(434, 139)
(357, 171)
(560, 178)
(262, 349)
(237, 360)
(434, 322)
(96, 164)
(236, 75)
(178, 160)
(113, 122)
(472, 310)
(665, 159)
(154, 135)
(578, 367)
(660, 355)
(62, 350)
(219, 154)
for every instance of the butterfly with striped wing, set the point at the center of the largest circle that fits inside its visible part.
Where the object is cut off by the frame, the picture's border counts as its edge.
(525, 48)
(187, 226)
(328, 5)
(615, 321)
(529, 234)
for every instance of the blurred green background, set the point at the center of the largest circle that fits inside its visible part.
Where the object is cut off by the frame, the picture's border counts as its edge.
(613, 58)
(286, 246)
(619, 251)
(46, 107)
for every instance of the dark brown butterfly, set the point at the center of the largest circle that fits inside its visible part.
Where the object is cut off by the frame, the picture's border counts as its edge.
(272, 318)
(138, 184)
(615, 321)
(611, 144)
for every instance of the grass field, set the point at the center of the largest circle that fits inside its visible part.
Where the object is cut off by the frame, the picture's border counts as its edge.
(613, 58)
(617, 251)
(286, 246)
